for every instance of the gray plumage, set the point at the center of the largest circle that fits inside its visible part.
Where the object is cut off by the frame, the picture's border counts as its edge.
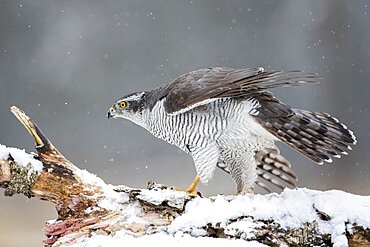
(226, 118)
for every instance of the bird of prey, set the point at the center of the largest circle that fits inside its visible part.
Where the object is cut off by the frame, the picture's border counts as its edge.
(227, 118)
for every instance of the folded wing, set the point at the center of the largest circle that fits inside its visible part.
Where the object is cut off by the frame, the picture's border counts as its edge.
(205, 85)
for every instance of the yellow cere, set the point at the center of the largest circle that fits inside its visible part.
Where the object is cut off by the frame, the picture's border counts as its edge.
(122, 104)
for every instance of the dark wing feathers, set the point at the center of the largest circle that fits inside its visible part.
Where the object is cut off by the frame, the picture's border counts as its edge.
(317, 135)
(271, 107)
(190, 90)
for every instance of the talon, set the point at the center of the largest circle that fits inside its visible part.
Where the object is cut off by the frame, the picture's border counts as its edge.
(192, 188)
(175, 188)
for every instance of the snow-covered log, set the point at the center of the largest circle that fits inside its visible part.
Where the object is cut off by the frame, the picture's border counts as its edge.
(93, 213)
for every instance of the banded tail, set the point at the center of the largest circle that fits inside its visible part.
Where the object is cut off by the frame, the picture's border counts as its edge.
(273, 170)
(316, 135)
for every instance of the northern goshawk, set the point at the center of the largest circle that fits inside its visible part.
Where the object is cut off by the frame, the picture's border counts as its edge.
(227, 118)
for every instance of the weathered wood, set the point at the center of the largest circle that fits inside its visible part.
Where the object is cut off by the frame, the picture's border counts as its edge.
(87, 206)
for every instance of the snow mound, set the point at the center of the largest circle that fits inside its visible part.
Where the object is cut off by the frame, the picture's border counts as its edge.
(162, 240)
(291, 209)
(21, 157)
(240, 216)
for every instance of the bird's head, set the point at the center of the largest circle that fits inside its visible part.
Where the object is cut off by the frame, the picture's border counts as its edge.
(129, 107)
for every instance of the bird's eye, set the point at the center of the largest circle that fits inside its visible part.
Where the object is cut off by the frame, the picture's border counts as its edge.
(122, 104)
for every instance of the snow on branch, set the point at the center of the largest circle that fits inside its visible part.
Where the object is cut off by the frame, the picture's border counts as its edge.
(93, 213)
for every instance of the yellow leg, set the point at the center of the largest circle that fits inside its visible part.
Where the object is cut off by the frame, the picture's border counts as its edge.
(192, 188)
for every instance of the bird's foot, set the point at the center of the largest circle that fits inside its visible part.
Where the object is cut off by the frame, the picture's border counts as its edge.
(193, 193)
(191, 190)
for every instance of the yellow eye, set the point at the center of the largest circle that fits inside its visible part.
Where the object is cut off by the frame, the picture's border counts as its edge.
(122, 104)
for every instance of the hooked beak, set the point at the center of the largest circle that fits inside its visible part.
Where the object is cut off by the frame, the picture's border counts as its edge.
(111, 113)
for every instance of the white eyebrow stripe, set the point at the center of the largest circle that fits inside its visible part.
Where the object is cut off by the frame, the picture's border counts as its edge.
(134, 96)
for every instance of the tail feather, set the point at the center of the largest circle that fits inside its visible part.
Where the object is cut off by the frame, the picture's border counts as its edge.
(263, 176)
(317, 135)
(273, 170)
(263, 186)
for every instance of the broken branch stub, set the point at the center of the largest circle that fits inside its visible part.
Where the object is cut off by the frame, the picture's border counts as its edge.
(84, 203)
(59, 181)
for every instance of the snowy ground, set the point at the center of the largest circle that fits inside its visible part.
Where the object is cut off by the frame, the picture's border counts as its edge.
(162, 240)
(290, 209)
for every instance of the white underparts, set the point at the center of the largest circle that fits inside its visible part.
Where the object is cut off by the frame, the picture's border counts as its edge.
(221, 130)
